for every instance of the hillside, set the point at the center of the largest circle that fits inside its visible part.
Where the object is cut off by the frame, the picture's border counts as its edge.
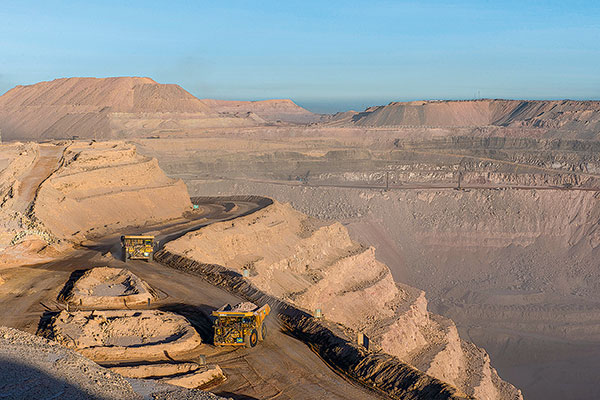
(552, 116)
(51, 192)
(316, 265)
(107, 186)
(103, 108)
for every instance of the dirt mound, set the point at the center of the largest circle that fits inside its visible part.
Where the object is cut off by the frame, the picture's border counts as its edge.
(108, 288)
(315, 265)
(270, 110)
(102, 108)
(552, 115)
(121, 335)
(33, 367)
(188, 375)
(102, 187)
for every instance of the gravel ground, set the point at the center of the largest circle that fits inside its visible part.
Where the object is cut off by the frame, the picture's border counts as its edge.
(32, 367)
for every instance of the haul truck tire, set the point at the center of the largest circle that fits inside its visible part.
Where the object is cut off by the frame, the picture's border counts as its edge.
(263, 331)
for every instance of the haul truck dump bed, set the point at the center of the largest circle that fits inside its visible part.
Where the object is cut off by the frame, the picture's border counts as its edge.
(240, 325)
(137, 247)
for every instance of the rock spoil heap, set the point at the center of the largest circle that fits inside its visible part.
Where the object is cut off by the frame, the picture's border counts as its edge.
(88, 106)
(108, 288)
(277, 110)
(23, 167)
(564, 116)
(124, 335)
(136, 344)
(118, 107)
(315, 265)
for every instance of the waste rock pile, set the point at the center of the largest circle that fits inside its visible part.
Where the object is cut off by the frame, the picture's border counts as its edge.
(108, 288)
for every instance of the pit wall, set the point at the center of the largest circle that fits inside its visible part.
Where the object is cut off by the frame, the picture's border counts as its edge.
(378, 371)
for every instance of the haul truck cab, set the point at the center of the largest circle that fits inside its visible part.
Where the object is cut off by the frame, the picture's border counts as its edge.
(240, 325)
(137, 247)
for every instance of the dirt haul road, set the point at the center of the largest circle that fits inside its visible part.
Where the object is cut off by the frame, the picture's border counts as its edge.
(281, 367)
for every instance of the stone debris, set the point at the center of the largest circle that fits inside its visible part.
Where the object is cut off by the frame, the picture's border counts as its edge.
(33, 368)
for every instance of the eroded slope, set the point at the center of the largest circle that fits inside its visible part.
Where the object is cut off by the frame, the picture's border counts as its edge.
(315, 265)
(581, 118)
(103, 108)
(107, 186)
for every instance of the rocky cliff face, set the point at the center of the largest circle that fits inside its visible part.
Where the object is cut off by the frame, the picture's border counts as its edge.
(316, 265)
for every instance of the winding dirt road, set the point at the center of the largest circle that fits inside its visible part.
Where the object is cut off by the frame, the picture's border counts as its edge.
(281, 367)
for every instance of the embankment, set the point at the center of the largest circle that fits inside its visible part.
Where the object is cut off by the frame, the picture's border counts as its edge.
(379, 371)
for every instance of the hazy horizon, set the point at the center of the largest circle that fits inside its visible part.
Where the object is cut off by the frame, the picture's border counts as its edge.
(326, 57)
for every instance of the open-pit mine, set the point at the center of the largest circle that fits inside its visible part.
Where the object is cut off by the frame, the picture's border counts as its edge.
(422, 250)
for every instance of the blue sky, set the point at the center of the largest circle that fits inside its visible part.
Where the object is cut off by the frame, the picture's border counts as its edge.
(325, 55)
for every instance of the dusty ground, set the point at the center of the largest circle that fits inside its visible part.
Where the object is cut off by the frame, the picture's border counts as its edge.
(254, 373)
(33, 367)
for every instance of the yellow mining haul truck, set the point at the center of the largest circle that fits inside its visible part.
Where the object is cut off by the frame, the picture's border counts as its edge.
(137, 247)
(240, 325)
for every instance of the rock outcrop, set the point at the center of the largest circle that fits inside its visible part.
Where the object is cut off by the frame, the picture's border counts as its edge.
(102, 187)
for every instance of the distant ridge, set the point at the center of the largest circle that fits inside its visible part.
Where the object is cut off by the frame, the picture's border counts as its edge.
(582, 117)
(271, 110)
(82, 106)
(122, 107)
